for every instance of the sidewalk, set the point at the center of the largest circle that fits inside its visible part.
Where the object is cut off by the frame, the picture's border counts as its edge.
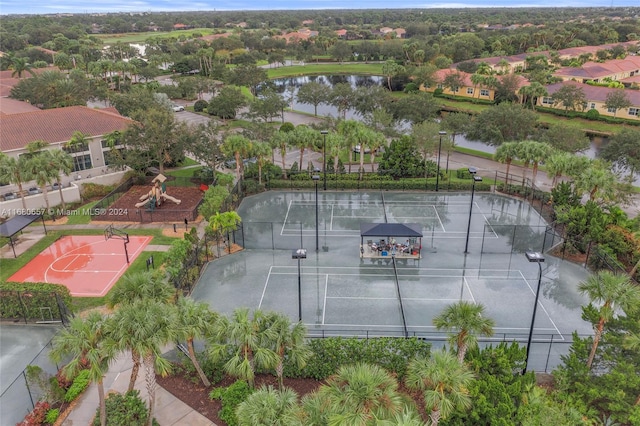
(169, 410)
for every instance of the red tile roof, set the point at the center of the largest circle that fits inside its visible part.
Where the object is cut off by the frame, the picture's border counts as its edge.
(56, 125)
(7, 81)
(596, 93)
(13, 106)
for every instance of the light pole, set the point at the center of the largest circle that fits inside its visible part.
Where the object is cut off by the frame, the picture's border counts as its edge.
(533, 257)
(441, 133)
(299, 254)
(316, 178)
(324, 158)
(473, 172)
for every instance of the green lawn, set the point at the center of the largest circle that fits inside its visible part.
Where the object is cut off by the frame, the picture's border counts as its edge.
(190, 172)
(142, 37)
(81, 215)
(330, 69)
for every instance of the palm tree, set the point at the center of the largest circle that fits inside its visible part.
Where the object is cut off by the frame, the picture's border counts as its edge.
(533, 92)
(249, 338)
(262, 152)
(612, 292)
(506, 153)
(135, 287)
(195, 320)
(63, 164)
(20, 65)
(87, 342)
(537, 152)
(597, 179)
(362, 394)
(222, 223)
(15, 170)
(443, 381)
(376, 142)
(43, 171)
(289, 343)
(150, 325)
(239, 147)
(466, 319)
(268, 407)
(557, 165)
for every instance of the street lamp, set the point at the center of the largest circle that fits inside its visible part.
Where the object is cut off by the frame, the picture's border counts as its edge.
(316, 178)
(533, 257)
(473, 172)
(324, 157)
(441, 133)
(299, 254)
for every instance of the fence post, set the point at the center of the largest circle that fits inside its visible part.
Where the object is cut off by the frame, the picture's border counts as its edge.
(546, 366)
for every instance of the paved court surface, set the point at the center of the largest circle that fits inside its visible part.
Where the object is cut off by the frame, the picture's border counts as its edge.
(88, 265)
(344, 294)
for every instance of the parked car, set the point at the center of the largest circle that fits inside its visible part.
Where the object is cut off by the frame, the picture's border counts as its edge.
(356, 149)
(34, 190)
(177, 108)
(231, 164)
(55, 186)
(10, 196)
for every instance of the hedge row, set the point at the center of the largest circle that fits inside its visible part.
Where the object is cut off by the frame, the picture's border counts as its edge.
(397, 185)
(341, 176)
(330, 353)
(24, 300)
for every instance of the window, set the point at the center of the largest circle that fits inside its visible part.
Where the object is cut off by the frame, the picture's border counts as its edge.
(73, 149)
(634, 111)
(440, 86)
(82, 162)
(484, 92)
(547, 100)
(593, 106)
(469, 91)
(612, 110)
(456, 89)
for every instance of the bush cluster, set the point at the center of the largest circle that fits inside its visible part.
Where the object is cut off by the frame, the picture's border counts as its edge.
(231, 397)
(331, 353)
(78, 386)
(34, 296)
(390, 185)
(37, 416)
(93, 190)
(124, 410)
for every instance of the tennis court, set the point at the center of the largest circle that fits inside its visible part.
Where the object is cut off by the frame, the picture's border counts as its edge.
(344, 294)
(88, 265)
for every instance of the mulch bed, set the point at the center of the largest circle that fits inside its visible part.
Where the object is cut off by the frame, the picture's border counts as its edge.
(124, 209)
(193, 393)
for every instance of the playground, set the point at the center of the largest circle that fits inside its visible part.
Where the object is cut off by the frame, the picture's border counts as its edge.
(87, 265)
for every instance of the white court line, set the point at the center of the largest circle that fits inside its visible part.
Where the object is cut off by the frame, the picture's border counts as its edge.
(264, 290)
(331, 221)
(469, 288)
(284, 223)
(46, 271)
(486, 222)
(541, 305)
(361, 298)
(324, 305)
(125, 266)
(439, 220)
(427, 299)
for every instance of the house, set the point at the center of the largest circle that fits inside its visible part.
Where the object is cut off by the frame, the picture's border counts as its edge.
(596, 98)
(342, 33)
(56, 127)
(468, 88)
(616, 69)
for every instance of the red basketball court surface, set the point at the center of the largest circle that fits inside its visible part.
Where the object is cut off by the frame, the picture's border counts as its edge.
(87, 265)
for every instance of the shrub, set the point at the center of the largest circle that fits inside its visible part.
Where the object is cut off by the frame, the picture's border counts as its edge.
(52, 415)
(592, 114)
(124, 410)
(94, 190)
(231, 397)
(37, 416)
(330, 353)
(411, 88)
(287, 127)
(38, 295)
(200, 105)
(78, 386)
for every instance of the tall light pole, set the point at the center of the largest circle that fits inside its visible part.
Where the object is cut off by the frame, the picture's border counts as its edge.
(324, 158)
(316, 178)
(473, 172)
(533, 257)
(299, 254)
(441, 133)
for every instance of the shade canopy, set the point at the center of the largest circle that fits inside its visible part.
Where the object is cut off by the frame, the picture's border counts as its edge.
(390, 229)
(16, 224)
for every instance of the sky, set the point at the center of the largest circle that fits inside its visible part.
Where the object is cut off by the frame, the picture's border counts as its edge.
(114, 6)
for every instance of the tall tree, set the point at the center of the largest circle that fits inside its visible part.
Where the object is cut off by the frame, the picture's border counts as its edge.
(466, 320)
(195, 321)
(15, 170)
(87, 343)
(443, 381)
(612, 293)
(617, 100)
(288, 343)
(239, 147)
(426, 137)
(313, 93)
(391, 69)
(79, 142)
(20, 65)
(342, 97)
(505, 122)
(571, 97)
(622, 150)
(63, 165)
(506, 153)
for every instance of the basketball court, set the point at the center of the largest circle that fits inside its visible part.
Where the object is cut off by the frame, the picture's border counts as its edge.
(88, 265)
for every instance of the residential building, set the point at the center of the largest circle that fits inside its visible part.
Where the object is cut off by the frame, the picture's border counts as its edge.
(468, 88)
(596, 97)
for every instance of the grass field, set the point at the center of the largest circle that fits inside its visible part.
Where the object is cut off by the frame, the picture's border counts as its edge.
(141, 37)
(323, 68)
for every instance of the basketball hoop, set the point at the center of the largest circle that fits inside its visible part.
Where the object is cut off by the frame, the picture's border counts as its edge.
(111, 232)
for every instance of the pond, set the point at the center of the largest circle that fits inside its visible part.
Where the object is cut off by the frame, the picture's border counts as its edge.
(293, 84)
